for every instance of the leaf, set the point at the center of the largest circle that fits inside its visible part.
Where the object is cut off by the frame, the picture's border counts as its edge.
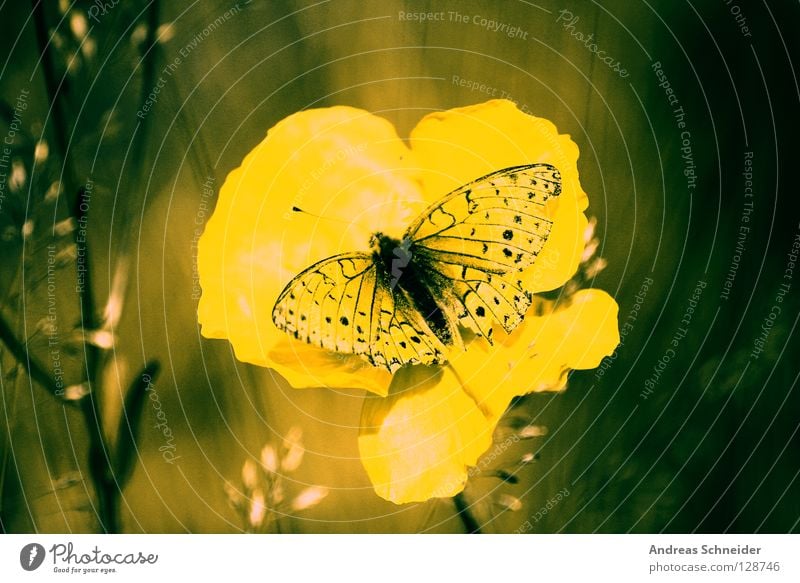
(130, 421)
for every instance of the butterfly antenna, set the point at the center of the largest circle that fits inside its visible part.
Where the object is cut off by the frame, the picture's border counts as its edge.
(297, 209)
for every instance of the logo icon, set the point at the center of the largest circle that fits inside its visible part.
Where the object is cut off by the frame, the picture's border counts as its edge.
(31, 556)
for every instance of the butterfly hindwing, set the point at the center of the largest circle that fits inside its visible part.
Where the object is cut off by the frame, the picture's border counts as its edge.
(480, 236)
(345, 304)
(405, 336)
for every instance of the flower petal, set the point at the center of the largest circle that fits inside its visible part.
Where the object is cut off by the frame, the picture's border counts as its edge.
(459, 145)
(305, 366)
(419, 442)
(538, 355)
(346, 167)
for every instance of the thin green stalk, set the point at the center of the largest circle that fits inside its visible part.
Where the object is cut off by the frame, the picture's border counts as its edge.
(462, 509)
(18, 351)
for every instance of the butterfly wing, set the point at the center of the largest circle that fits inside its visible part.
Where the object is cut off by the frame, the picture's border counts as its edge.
(344, 303)
(477, 240)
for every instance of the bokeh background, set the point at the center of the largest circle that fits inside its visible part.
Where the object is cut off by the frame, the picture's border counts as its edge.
(709, 445)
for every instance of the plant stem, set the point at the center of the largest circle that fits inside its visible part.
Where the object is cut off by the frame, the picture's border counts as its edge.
(99, 454)
(32, 367)
(100, 466)
(462, 509)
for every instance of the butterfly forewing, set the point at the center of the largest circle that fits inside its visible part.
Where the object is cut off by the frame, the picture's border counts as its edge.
(320, 304)
(480, 236)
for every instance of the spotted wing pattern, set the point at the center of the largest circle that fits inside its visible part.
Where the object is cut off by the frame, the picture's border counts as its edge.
(478, 239)
(345, 304)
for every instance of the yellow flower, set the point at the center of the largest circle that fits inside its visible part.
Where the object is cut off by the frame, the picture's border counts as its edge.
(419, 442)
(353, 175)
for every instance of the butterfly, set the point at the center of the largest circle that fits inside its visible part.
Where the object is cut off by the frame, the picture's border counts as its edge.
(457, 266)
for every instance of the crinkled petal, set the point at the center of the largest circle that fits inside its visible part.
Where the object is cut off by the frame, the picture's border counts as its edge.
(342, 164)
(538, 355)
(303, 367)
(419, 442)
(459, 145)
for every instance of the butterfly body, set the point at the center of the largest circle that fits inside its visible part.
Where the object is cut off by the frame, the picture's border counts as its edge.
(459, 265)
(411, 279)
